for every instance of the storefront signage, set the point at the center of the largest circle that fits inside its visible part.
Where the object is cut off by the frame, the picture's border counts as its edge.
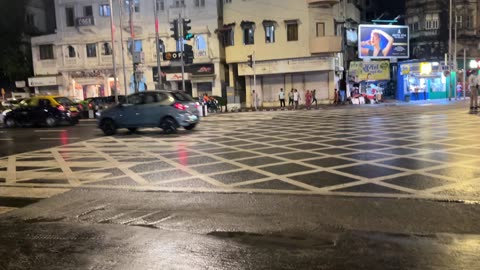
(405, 69)
(91, 73)
(473, 64)
(85, 21)
(20, 84)
(383, 41)
(425, 68)
(196, 69)
(177, 77)
(370, 71)
(42, 81)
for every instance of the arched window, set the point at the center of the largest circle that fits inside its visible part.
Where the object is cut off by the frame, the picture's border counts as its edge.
(71, 51)
(106, 48)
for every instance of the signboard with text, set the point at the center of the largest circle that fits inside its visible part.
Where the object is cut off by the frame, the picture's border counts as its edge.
(383, 41)
(42, 81)
(370, 71)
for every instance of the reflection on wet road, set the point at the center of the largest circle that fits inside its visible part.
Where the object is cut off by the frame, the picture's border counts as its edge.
(401, 152)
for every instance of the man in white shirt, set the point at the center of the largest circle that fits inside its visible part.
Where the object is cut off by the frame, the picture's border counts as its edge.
(254, 99)
(281, 96)
(473, 84)
(296, 99)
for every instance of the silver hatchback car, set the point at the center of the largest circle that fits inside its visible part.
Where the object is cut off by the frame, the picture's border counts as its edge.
(167, 110)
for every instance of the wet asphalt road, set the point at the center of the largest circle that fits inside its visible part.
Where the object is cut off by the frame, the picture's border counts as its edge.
(375, 188)
(20, 140)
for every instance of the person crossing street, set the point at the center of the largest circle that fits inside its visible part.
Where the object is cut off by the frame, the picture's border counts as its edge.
(281, 96)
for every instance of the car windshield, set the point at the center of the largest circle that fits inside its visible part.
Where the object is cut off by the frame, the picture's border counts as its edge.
(63, 100)
(182, 97)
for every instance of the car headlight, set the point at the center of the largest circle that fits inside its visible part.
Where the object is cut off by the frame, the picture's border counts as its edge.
(98, 114)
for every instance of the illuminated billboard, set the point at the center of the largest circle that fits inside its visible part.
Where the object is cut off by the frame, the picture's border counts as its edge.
(383, 41)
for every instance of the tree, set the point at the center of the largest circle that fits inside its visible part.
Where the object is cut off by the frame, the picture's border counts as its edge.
(15, 54)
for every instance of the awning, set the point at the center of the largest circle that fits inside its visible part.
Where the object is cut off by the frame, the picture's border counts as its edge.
(269, 23)
(225, 27)
(292, 21)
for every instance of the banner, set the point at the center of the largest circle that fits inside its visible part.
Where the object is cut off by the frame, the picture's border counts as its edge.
(383, 41)
(370, 71)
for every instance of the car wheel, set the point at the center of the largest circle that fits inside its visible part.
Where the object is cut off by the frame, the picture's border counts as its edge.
(108, 127)
(190, 127)
(50, 121)
(132, 129)
(9, 122)
(169, 125)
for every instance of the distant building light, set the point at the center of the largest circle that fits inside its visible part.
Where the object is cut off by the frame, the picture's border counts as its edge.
(425, 68)
(435, 64)
(474, 64)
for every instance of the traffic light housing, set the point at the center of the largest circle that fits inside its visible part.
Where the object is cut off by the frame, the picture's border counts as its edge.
(174, 29)
(188, 50)
(186, 29)
(250, 60)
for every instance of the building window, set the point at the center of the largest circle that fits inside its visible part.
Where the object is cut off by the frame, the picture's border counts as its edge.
(46, 52)
(320, 29)
(200, 43)
(135, 4)
(269, 32)
(105, 10)
(91, 50)
(161, 45)
(30, 20)
(137, 46)
(106, 48)
(161, 5)
(71, 52)
(180, 3)
(199, 3)
(70, 16)
(469, 22)
(248, 32)
(88, 11)
(229, 37)
(431, 21)
(292, 31)
(228, 1)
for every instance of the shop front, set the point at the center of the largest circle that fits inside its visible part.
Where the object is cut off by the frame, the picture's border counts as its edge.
(199, 79)
(424, 81)
(89, 84)
(46, 85)
(368, 81)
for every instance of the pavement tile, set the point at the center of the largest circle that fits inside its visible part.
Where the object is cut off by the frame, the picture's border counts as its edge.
(260, 161)
(165, 175)
(367, 156)
(286, 169)
(370, 188)
(148, 167)
(215, 168)
(458, 173)
(271, 184)
(329, 162)
(192, 161)
(299, 155)
(189, 183)
(236, 177)
(369, 171)
(409, 163)
(124, 181)
(444, 157)
(367, 146)
(338, 142)
(236, 155)
(400, 151)
(306, 146)
(334, 151)
(274, 150)
(323, 179)
(418, 181)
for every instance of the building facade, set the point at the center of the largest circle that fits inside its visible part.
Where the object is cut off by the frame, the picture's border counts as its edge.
(296, 45)
(429, 27)
(77, 60)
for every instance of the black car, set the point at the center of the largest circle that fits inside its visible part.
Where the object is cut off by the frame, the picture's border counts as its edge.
(48, 110)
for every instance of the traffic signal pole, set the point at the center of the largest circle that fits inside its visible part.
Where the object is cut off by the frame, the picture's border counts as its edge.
(157, 37)
(180, 22)
(254, 73)
(112, 28)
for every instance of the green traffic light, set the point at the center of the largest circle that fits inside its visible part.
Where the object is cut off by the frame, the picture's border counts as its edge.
(189, 36)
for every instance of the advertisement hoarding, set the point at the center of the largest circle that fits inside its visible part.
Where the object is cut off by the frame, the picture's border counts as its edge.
(383, 41)
(370, 71)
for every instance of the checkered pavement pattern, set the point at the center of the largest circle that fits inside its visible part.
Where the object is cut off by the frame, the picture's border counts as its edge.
(422, 152)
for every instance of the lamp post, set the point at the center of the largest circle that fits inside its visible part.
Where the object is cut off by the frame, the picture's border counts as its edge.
(112, 29)
(450, 50)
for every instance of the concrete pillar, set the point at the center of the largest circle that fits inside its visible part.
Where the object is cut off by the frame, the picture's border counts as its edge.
(194, 89)
(217, 83)
(248, 98)
(231, 75)
(331, 85)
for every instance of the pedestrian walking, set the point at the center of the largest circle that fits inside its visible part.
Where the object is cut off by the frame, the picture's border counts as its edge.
(290, 98)
(473, 84)
(308, 99)
(336, 97)
(255, 100)
(296, 99)
(281, 96)
(314, 97)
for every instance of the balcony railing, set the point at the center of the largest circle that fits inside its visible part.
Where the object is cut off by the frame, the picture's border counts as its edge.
(325, 44)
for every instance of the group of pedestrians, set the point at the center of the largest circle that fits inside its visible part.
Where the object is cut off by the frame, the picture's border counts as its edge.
(294, 98)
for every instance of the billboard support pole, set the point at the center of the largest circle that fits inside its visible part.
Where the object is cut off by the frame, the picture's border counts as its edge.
(464, 72)
(450, 51)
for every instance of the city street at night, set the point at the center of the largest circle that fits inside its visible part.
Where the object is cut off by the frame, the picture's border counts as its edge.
(326, 189)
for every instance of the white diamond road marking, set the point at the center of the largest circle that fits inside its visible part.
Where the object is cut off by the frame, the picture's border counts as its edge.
(152, 161)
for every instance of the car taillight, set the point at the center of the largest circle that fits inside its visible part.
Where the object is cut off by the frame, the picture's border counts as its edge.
(180, 106)
(61, 108)
(90, 105)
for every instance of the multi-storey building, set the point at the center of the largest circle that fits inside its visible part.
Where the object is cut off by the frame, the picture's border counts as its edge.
(429, 27)
(296, 44)
(77, 60)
